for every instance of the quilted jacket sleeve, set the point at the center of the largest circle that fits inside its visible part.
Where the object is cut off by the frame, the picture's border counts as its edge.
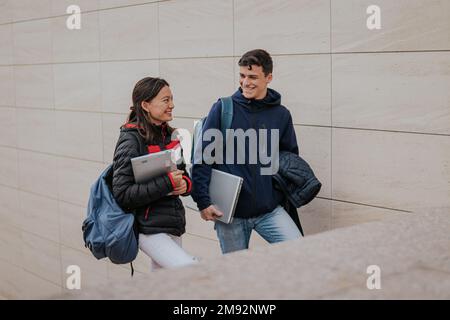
(126, 191)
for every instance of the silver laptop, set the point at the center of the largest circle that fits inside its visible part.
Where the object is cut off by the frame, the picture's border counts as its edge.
(152, 165)
(224, 190)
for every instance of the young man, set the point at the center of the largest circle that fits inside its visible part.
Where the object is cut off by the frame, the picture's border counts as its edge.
(255, 107)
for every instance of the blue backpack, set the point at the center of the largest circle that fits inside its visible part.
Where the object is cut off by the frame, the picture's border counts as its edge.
(226, 117)
(107, 230)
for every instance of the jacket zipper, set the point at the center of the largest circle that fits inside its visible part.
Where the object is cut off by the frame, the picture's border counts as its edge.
(253, 167)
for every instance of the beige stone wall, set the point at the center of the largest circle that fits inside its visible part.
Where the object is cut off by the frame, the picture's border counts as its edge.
(371, 110)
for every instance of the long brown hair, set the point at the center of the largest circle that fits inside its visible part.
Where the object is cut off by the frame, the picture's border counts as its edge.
(146, 89)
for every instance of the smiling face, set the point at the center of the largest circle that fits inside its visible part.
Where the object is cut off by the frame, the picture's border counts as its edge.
(254, 82)
(160, 107)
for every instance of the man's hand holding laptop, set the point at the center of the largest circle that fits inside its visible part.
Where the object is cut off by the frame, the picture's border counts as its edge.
(211, 213)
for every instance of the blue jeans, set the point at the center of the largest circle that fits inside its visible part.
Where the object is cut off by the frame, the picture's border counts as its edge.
(275, 226)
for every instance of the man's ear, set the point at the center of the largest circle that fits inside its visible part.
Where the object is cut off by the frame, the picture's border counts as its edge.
(269, 78)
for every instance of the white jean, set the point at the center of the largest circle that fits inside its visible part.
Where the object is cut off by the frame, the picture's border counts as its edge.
(165, 251)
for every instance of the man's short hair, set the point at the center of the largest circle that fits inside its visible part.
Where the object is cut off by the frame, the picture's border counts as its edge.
(257, 57)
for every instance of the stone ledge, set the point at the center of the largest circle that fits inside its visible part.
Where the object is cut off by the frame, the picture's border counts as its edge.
(413, 253)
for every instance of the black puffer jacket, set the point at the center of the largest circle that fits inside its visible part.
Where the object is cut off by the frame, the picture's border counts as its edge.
(297, 181)
(155, 211)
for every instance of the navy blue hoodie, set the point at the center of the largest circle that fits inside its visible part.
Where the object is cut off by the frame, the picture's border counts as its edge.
(257, 195)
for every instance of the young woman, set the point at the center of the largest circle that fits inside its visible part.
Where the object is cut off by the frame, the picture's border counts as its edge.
(159, 212)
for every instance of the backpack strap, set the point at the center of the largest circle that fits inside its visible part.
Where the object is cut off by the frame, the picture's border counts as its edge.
(142, 149)
(226, 116)
(142, 146)
(135, 227)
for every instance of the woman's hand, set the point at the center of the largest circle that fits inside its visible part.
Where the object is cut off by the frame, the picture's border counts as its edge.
(180, 183)
(177, 177)
(180, 189)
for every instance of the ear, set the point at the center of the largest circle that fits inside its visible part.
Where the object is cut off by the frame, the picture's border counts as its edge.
(269, 78)
(146, 106)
